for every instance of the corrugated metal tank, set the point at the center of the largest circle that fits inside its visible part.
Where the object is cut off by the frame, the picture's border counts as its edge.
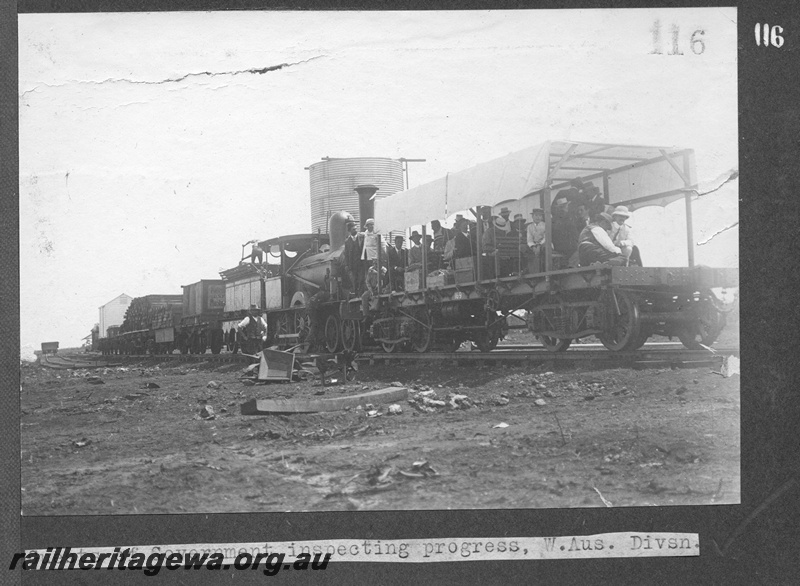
(333, 182)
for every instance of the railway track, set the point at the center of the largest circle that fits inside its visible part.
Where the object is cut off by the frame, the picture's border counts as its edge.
(652, 355)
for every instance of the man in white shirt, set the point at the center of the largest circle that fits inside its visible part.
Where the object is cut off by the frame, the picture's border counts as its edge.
(535, 241)
(595, 244)
(622, 235)
(252, 331)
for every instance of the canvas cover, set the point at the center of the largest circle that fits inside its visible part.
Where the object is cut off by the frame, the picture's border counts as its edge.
(630, 175)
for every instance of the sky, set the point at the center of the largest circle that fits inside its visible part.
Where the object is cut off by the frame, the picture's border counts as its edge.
(153, 145)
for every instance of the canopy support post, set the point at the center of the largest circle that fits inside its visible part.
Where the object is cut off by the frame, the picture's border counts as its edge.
(380, 263)
(548, 230)
(423, 281)
(688, 199)
(479, 246)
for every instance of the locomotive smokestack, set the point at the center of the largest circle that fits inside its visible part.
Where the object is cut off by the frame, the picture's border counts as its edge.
(366, 205)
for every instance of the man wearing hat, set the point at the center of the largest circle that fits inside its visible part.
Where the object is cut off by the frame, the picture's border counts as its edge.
(415, 252)
(252, 331)
(352, 261)
(595, 244)
(463, 243)
(397, 261)
(369, 247)
(622, 235)
(535, 241)
(502, 222)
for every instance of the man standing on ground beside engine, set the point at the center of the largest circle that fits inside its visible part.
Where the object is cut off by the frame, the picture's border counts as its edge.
(252, 331)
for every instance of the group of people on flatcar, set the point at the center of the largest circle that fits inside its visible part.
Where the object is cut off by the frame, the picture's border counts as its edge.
(584, 231)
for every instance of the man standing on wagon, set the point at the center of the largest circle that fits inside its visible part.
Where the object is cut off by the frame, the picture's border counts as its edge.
(369, 247)
(535, 241)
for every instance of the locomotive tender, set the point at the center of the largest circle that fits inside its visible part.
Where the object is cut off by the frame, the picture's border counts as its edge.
(299, 289)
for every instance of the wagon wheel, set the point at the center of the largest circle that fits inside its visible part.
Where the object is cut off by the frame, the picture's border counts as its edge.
(555, 344)
(351, 331)
(422, 333)
(644, 334)
(704, 331)
(332, 334)
(487, 341)
(624, 330)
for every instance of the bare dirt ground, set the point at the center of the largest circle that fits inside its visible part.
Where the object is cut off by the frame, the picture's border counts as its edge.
(574, 438)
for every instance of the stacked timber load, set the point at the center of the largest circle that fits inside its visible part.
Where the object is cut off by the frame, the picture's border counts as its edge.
(143, 310)
(166, 317)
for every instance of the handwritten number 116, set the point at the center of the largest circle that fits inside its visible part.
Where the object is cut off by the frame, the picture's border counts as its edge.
(695, 42)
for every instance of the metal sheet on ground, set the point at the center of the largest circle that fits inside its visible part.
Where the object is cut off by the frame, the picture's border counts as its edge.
(268, 406)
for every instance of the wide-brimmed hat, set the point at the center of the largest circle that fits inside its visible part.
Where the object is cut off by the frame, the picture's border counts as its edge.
(369, 221)
(254, 308)
(605, 217)
(518, 217)
(537, 211)
(505, 210)
(415, 236)
(621, 211)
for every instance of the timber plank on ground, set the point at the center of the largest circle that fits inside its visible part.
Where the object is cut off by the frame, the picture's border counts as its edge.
(270, 406)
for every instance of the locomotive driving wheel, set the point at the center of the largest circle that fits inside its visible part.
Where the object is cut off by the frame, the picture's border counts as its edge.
(302, 324)
(422, 332)
(333, 337)
(351, 334)
(281, 328)
(624, 327)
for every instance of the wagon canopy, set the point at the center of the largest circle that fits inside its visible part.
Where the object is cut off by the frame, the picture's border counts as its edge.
(626, 175)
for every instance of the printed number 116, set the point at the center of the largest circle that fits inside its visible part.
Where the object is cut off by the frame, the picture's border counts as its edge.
(695, 42)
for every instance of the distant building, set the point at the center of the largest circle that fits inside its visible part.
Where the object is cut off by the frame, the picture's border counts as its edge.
(113, 313)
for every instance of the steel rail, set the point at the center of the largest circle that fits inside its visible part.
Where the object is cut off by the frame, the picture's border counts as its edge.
(658, 353)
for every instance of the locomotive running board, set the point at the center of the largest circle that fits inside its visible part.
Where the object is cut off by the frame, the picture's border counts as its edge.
(270, 406)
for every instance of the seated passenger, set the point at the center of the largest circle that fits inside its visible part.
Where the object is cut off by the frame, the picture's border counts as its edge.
(440, 236)
(397, 262)
(535, 241)
(622, 236)
(564, 233)
(595, 244)
(463, 245)
(502, 222)
(415, 252)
